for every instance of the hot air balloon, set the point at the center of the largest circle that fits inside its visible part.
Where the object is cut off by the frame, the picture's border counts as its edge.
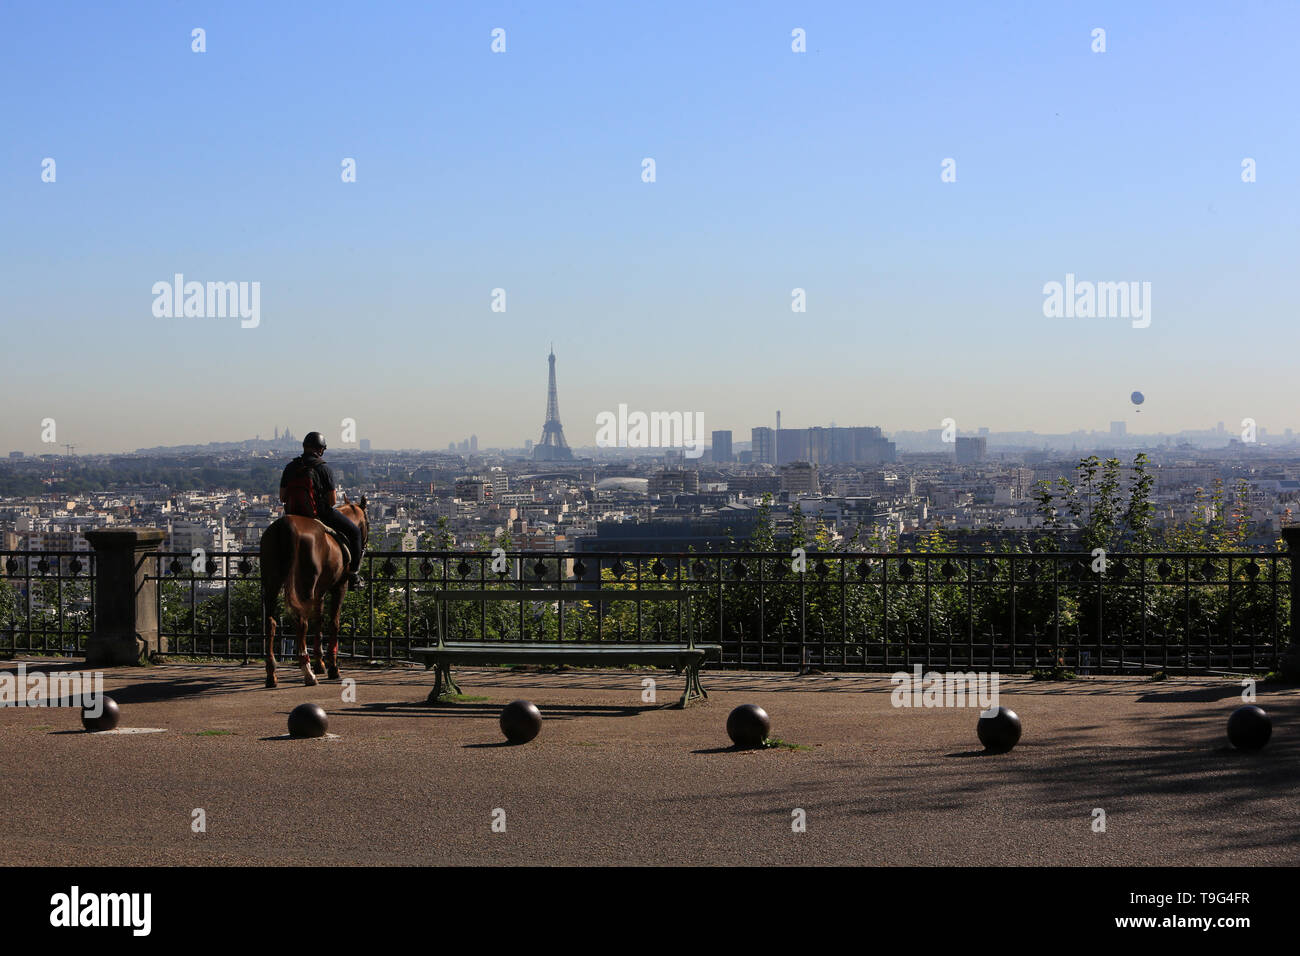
(1137, 398)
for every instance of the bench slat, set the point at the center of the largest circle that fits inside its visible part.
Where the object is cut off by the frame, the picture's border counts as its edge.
(517, 647)
(540, 594)
(592, 653)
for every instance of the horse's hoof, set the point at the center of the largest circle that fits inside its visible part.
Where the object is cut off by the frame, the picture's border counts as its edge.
(333, 673)
(271, 682)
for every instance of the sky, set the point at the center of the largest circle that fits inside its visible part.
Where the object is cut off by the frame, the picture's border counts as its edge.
(522, 170)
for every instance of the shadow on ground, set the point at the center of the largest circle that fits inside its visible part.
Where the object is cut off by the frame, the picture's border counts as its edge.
(484, 710)
(1067, 777)
(177, 688)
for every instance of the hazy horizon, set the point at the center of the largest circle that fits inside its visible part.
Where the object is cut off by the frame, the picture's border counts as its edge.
(740, 438)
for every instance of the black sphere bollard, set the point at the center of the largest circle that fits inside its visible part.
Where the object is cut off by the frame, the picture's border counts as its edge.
(107, 719)
(748, 726)
(1000, 731)
(308, 720)
(521, 721)
(1249, 728)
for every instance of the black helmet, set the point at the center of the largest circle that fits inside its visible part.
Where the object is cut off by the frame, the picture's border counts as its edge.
(314, 441)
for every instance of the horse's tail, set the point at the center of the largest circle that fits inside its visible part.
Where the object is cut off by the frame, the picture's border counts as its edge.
(279, 567)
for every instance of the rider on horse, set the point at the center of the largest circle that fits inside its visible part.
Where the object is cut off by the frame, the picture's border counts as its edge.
(307, 488)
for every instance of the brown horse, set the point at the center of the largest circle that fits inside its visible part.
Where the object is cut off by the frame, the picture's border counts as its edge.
(301, 557)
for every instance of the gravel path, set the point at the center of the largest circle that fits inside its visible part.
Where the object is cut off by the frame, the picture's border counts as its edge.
(613, 780)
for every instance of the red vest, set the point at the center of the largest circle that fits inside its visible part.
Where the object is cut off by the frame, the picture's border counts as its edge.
(302, 489)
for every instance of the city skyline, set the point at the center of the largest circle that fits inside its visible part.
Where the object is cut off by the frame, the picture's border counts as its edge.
(552, 431)
(740, 438)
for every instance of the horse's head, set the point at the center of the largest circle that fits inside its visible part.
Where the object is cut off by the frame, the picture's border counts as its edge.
(356, 510)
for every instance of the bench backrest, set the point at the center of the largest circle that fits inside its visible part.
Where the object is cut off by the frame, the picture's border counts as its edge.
(603, 595)
(544, 595)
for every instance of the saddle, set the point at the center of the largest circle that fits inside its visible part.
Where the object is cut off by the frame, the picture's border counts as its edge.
(340, 540)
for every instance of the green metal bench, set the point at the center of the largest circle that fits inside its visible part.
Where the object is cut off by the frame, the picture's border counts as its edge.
(687, 658)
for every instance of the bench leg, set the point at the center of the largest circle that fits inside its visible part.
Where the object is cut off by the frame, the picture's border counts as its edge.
(694, 689)
(443, 684)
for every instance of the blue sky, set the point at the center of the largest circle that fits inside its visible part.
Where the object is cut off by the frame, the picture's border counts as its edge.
(522, 171)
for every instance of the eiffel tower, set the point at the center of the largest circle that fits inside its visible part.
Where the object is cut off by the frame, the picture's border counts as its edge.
(552, 447)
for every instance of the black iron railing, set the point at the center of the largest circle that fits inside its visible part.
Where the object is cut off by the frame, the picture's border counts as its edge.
(47, 601)
(1193, 612)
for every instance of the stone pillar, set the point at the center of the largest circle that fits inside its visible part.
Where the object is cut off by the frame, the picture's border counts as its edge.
(1290, 663)
(126, 601)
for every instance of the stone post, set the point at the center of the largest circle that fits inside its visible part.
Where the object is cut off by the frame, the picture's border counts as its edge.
(126, 601)
(1290, 663)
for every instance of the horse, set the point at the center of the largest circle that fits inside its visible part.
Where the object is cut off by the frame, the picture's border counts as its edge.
(301, 557)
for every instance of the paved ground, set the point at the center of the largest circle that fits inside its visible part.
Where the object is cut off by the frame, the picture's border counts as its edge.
(613, 780)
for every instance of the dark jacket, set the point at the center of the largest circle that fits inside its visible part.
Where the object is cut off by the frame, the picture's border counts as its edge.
(308, 481)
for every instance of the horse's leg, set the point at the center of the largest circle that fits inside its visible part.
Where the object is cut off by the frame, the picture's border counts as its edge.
(278, 571)
(270, 652)
(308, 677)
(306, 579)
(318, 664)
(336, 610)
(270, 611)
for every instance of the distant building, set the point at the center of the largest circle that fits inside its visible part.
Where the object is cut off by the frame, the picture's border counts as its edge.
(365, 444)
(1118, 429)
(800, 477)
(722, 446)
(731, 523)
(971, 451)
(754, 484)
(792, 445)
(474, 489)
(188, 535)
(857, 445)
(15, 454)
(675, 481)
